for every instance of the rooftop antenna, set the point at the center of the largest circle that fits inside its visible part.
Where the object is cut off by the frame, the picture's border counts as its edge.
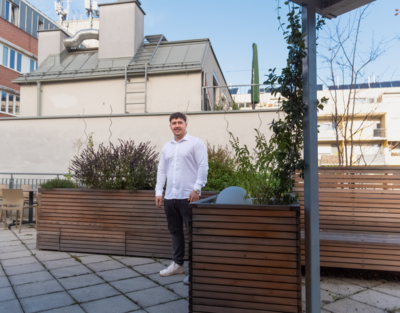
(373, 78)
(67, 10)
(58, 5)
(91, 9)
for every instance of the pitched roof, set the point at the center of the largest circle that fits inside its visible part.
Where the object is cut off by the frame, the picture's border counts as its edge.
(170, 56)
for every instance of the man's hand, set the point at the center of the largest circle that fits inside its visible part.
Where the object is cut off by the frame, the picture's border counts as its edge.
(159, 200)
(194, 196)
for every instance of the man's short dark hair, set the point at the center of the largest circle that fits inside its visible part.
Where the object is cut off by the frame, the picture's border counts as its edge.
(177, 115)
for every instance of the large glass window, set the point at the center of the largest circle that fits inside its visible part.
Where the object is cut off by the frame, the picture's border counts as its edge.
(10, 103)
(40, 25)
(19, 62)
(12, 59)
(17, 106)
(32, 66)
(14, 14)
(3, 102)
(7, 11)
(5, 56)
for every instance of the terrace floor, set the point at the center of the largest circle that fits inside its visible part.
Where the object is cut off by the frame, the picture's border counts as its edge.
(34, 280)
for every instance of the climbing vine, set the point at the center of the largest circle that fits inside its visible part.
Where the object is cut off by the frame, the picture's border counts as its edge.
(267, 173)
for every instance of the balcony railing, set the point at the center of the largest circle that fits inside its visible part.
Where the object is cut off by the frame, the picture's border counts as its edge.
(380, 132)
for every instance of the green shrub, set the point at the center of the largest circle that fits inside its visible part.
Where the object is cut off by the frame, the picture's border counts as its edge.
(125, 166)
(58, 183)
(221, 168)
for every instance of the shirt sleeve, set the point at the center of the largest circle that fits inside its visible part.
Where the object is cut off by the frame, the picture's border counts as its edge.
(161, 175)
(201, 157)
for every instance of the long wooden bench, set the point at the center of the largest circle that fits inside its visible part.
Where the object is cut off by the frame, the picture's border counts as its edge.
(359, 211)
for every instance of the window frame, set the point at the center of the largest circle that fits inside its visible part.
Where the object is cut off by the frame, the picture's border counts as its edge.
(1, 100)
(5, 56)
(14, 14)
(12, 59)
(19, 62)
(31, 66)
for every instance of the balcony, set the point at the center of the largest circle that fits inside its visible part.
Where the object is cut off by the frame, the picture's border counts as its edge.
(379, 133)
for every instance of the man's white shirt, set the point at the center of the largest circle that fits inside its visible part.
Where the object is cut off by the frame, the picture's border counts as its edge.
(185, 166)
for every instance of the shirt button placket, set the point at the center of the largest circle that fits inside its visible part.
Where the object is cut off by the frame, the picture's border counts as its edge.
(174, 176)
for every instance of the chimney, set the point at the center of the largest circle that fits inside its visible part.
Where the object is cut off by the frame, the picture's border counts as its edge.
(50, 42)
(121, 29)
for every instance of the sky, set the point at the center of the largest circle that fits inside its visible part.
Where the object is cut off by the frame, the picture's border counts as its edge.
(234, 25)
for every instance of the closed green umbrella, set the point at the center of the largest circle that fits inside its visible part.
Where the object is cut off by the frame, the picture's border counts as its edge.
(255, 78)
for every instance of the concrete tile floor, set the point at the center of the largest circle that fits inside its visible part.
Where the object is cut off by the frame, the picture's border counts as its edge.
(34, 280)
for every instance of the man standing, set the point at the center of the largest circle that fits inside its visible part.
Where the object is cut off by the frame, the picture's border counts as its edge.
(184, 163)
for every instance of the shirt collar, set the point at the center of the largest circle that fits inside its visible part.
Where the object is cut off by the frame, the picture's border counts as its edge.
(187, 136)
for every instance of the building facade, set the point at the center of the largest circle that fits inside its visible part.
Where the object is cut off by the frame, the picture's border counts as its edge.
(361, 123)
(19, 25)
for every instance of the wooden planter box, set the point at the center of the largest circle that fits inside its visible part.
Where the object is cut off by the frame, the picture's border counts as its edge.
(117, 222)
(244, 258)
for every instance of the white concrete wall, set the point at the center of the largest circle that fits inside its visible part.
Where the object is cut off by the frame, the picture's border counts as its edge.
(167, 93)
(48, 144)
(50, 42)
(121, 30)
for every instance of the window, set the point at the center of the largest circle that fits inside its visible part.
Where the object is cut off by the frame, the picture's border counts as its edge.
(7, 11)
(326, 127)
(40, 25)
(36, 64)
(19, 62)
(17, 106)
(10, 103)
(32, 68)
(3, 101)
(5, 56)
(14, 14)
(12, 59)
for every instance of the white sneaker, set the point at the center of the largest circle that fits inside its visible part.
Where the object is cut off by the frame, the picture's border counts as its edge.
(173, 269)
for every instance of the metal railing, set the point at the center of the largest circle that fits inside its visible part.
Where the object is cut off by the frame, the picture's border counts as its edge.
(380, 132)
(17, 182)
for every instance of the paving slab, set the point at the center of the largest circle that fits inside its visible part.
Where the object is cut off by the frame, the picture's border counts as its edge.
(340, 287)
(60, 263)
(180, 289)
(36, 289)
(14, 255)
(12, 249)
(93, 293)
(12, 306)
(363, 282)
(105, 266)
(52, 256)
(167, 280)
(132, 261)
(170, 307)
(152, 296)
(31, 246)
(19, 261)
(349, 305)
(7, 237)
(4, 282)
(67, 309)
(377, 299)
(30, 278)
(118, 274)
(149, 269)
(392, 288)
(118, 304)
(46, 302)
(133, 284)
(9, 243)
(95, 258)
(81, 281)
(326, 296)
(7, 293)
(70, 271)
(2, 273)
(22, 269)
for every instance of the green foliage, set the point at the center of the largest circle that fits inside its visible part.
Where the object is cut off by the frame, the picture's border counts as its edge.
(268, 172)
(124, 166)
(58, 183)
(221, 168)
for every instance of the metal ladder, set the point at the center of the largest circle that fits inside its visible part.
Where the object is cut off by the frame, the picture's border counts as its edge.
(139, 63)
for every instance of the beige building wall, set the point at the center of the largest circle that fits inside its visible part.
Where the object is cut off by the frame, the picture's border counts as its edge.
(48, 143)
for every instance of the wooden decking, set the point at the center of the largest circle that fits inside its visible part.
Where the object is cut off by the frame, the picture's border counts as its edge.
(359, 217)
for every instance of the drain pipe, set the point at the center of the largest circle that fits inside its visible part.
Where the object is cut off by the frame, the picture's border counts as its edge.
(39, 97)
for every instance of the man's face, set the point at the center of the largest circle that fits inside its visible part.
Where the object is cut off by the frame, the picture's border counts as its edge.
(178, 126)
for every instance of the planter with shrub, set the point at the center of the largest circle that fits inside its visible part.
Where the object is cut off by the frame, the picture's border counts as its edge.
(114, 213)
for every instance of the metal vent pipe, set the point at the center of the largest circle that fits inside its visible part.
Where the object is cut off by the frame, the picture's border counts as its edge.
(80, 36)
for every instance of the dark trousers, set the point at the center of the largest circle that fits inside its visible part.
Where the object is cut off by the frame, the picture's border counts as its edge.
(177, 213)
